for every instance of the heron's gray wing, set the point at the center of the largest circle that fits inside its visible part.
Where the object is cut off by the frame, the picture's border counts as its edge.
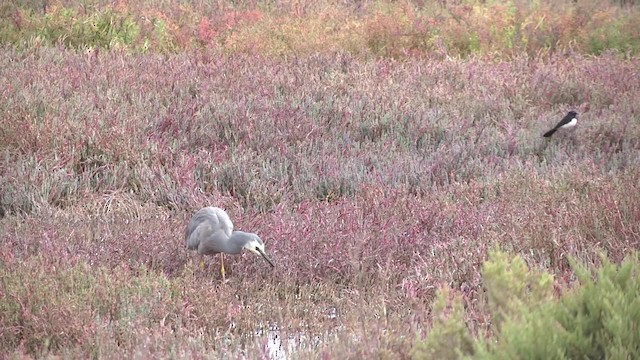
(208, 239)
(201, 225)
(221, 218)
(208, 231)
(192, 235)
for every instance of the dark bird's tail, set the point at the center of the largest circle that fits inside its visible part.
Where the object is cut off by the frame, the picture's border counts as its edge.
(549, 133)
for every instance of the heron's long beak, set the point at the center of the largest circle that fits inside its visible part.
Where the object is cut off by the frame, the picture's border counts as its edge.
(265, 257)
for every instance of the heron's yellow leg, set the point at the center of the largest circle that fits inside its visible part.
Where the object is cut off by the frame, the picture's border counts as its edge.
(222, 266)
(202, 263)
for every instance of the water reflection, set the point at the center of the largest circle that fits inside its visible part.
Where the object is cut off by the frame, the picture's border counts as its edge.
(282, 346)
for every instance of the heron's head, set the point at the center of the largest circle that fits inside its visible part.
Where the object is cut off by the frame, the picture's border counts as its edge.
(256, 246)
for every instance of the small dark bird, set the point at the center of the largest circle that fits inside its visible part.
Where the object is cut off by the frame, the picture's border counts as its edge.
(567, 122)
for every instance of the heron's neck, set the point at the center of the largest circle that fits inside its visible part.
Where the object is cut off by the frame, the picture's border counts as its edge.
(237, 241)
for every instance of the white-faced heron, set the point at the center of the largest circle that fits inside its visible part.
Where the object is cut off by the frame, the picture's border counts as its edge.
(210, 231)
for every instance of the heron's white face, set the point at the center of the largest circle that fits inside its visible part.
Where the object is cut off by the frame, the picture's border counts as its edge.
(257, 247)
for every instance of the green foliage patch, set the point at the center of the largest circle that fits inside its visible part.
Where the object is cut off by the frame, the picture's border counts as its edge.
(378, 28)
(598, 319)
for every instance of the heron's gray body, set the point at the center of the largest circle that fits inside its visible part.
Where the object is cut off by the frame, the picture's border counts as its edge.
(210, 232)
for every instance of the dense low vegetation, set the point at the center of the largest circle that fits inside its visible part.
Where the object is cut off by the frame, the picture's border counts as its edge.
(380, 176)
(296, 27)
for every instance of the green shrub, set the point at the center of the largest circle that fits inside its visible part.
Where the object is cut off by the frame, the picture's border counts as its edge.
(448, 338)
(620, 35)
(512, 289)
(104, 29)
(599, 319)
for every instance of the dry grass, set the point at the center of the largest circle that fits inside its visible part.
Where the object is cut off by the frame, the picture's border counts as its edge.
(372, 182)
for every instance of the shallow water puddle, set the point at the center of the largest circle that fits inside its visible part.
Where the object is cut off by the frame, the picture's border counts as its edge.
(282, 346)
